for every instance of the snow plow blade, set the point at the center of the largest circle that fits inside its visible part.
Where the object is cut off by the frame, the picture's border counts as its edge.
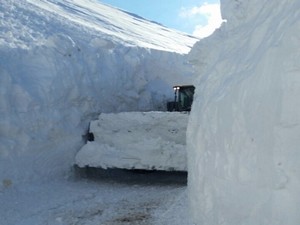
(137, 140)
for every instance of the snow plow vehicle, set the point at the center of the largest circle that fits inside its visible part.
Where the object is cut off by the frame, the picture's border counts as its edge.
(140, 140)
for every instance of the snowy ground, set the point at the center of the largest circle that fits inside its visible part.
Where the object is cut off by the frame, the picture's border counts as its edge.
(104, 197)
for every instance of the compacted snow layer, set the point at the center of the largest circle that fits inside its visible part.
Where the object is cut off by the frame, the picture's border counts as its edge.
(64, 62)
(243, 134)
(104, 198)
(137, 140)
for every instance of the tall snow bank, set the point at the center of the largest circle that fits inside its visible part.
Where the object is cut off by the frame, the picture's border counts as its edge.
(243, 134)
(59, 69)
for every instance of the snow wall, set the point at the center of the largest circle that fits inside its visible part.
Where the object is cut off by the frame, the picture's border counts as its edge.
(56, 76)
(243, 134)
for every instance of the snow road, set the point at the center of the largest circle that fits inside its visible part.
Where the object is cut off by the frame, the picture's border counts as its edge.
(106, 197)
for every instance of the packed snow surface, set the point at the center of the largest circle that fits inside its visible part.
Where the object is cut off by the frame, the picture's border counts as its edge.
(243, 134)
(102, 198)
(137, 140)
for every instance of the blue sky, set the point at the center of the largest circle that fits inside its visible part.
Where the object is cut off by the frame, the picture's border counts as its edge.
(197, 17)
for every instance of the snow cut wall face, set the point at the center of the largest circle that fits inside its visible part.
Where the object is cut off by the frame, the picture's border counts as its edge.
(56, 76)
(243, 134)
